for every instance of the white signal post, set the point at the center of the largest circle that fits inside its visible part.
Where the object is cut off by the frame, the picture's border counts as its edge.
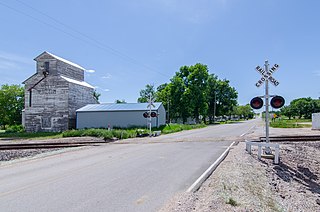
(267, 149)
(150, 105)
(266, 77)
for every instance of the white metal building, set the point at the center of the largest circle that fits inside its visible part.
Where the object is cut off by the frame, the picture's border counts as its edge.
(122, 115)
(316, 121)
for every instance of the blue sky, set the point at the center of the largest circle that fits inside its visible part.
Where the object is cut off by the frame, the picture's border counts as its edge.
(128, 44)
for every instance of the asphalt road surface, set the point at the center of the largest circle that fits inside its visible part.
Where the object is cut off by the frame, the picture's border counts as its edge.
(130, 175)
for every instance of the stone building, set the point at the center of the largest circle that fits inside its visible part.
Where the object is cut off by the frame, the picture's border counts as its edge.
(54, 93)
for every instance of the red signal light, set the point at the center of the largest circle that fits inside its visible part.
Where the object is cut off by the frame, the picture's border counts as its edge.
(277, 102)
(154, 114)
(256, 103)
(146, 114)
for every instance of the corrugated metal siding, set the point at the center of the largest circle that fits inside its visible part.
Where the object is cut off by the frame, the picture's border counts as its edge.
(119, 107)
(121, 119)
(93, 118)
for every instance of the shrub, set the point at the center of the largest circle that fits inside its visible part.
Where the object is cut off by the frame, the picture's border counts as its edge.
(232, 202)
(15, 129)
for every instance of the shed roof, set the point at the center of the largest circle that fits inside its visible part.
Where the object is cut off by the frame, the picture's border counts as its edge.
(119, 107)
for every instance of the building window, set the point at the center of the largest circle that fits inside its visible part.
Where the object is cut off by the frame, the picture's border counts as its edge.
(46, 66)
(30, 98)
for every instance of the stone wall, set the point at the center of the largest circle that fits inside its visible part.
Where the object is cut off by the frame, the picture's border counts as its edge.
(48, 110)
(70, 71)
(79, 96)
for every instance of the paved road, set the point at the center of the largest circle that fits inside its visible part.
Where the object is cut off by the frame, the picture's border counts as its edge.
(114, 177)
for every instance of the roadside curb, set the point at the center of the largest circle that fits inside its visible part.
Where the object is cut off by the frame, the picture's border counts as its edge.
(196, 185)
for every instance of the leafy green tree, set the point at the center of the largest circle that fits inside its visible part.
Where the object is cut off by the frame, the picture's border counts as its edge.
(287, 111)
(244, 111)
(193, 92)
(163, 95)
(145, 93)
(96, 95)
(301, 107)
(11, 104)
(179, 99)
(212, 96)
(226, 98)
(197, 90)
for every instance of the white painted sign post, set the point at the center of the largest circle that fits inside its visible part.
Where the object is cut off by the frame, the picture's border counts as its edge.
(266, 74)
(150, 105)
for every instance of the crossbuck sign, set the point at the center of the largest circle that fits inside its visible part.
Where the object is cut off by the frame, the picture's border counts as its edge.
(267, 75)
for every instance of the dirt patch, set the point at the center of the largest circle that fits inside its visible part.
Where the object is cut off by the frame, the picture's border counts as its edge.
(244, 183)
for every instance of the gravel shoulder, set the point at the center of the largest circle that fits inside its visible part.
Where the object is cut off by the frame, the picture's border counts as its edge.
(244, 183)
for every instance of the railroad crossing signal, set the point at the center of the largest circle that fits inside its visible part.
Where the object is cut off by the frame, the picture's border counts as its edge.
(148, 114)
(276, 101)
(267, 75)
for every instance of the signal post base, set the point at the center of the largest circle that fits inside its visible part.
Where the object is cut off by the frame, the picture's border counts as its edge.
(249, 145)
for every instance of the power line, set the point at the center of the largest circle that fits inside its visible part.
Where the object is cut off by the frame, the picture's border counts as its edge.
(89, 40)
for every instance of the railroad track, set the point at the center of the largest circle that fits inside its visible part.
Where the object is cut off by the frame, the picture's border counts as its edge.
(292, 138)
(48, 145)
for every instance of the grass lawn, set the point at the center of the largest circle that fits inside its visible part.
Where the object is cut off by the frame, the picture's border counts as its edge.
(39, 135)
(291, 123)
(101, 133)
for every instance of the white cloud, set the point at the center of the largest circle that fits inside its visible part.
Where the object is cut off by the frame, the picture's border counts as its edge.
(108, 76)
(15, 58)
(90, 71)
(106, 90)
(317, 73)
(12, 62)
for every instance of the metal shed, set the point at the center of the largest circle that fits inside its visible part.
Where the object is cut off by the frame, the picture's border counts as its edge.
(119, 115)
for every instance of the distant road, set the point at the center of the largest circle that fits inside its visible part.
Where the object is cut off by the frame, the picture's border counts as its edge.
(141, 176)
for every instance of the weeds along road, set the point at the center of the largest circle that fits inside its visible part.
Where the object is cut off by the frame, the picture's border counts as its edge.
(120, 176)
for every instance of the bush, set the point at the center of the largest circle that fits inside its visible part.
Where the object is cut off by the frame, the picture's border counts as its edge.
(101, 133)
(15, 129)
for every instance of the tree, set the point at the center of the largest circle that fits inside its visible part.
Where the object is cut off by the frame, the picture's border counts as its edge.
(304, 107)
(212, 96)
(244, 111)
(226, 98)
(145, 93)
(287, 111)
(163, 95)
(96, 95)
(197, 90)
(193, 92)
(11, 104)
(178, 99)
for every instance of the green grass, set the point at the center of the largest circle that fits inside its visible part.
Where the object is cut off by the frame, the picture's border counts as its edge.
(25, 135)
(290, 123)
(100, 133)
(232, 202)
(172, 128)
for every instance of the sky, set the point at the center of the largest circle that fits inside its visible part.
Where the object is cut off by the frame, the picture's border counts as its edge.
(127, 44)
